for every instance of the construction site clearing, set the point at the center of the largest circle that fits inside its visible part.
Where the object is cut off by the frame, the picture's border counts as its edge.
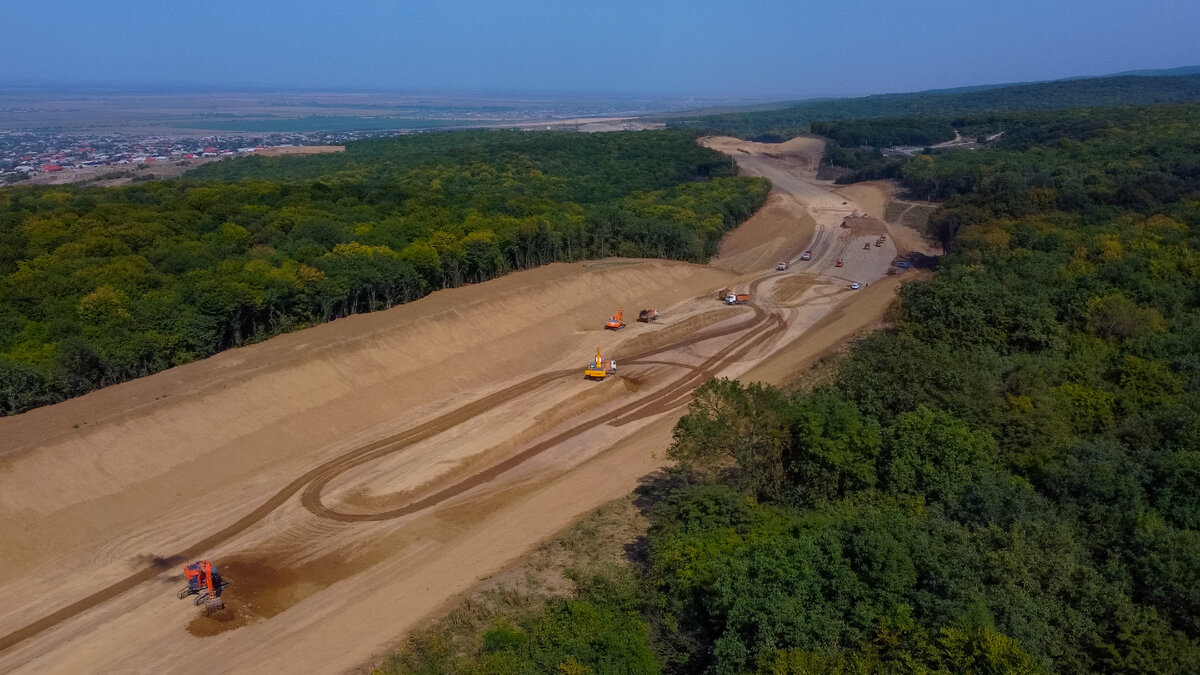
(372, 468)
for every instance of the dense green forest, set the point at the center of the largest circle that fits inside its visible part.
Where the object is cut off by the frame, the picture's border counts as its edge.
(1004, 481)
(1095, 162)
(784, 123)
(101, 285)
(887, 131)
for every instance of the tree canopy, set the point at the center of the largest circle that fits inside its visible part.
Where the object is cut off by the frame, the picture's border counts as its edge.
(101, 285)
(995, 483)
(1003, 481)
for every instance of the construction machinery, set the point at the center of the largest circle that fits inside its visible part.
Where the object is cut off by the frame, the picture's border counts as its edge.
(737, 298)
(648, 315)
(615, 321)
(839, 263)
(783, 265)
(807, 255)
(599, 370)
(204, 582)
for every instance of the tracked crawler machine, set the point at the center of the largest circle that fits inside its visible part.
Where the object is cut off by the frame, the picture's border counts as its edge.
(599, 370)
(204, 582)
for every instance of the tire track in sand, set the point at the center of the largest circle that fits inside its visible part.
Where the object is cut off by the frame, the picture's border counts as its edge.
(658, 402)
(397, 442)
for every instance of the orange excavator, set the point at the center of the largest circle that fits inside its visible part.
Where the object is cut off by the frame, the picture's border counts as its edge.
(615, 321)
(204, 582)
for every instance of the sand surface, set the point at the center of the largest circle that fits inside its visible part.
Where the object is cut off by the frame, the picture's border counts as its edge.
(299, 150)
(351, 478)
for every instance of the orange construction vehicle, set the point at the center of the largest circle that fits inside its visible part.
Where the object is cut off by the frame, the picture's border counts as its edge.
(615, 321)
(204, 582)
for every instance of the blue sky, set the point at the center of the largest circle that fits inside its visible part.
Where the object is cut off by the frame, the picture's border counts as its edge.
(730, 48)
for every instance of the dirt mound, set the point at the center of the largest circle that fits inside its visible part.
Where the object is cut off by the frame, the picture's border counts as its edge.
(806, 150)
(871, 196)
(777, 232)
(234, 615)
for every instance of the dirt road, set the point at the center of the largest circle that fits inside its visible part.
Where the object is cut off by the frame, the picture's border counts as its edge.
(351, 478)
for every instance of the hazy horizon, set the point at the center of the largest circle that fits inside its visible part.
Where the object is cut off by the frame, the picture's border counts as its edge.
(759, 51)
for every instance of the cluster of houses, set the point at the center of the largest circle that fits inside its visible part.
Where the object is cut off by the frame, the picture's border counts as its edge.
(32, 153)
(28, 153)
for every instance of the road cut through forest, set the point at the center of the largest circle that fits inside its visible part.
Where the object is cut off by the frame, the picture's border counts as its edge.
(351, 478)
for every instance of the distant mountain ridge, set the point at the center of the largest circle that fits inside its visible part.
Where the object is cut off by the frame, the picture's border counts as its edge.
(1125, 89)
(1162, 72)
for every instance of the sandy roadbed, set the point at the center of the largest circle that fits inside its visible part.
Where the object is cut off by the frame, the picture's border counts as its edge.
(352, 477)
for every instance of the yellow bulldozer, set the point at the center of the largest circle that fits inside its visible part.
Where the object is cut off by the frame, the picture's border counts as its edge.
(599, 370)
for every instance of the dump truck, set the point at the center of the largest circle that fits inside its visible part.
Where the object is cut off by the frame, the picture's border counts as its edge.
(783, 265)
(598, 369)
(737, 298)
(839, 263)
(616, 321)
(807, 255)
(648, 315)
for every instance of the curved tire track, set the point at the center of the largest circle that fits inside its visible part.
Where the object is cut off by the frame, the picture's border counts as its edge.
(316, 478)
